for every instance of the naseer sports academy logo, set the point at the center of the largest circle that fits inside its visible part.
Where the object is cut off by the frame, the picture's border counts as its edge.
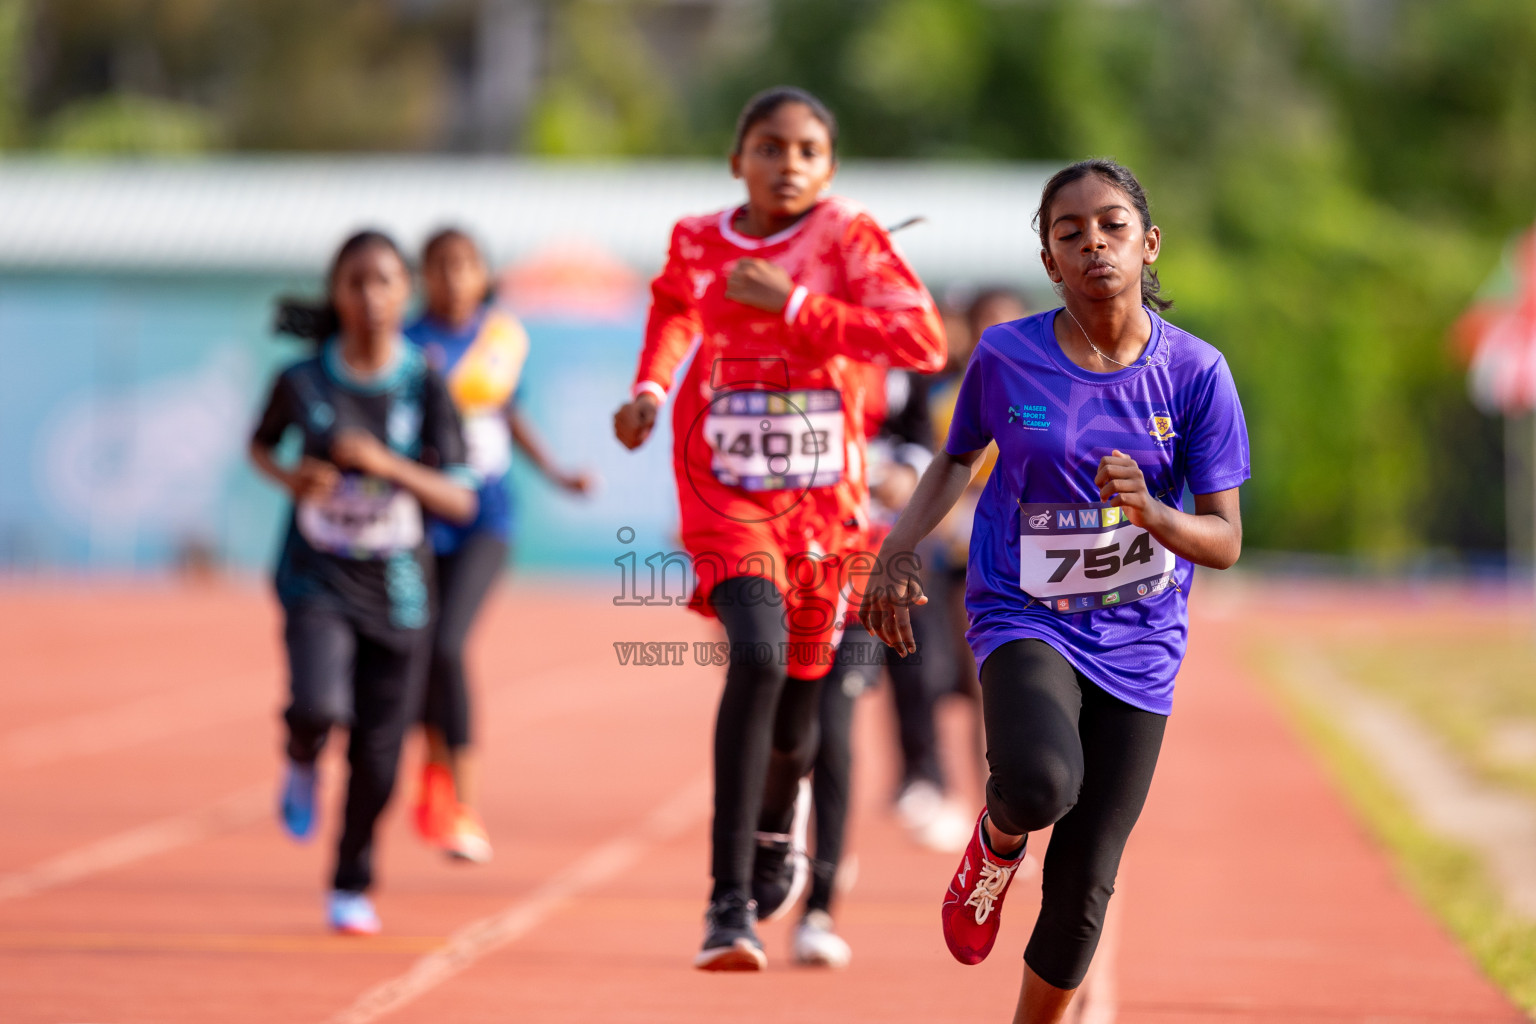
(1160, 427)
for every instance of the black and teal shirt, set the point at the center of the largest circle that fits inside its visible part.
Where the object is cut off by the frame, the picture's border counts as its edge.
(362, 551)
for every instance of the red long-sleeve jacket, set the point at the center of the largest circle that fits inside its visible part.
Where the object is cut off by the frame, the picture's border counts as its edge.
(769, 418)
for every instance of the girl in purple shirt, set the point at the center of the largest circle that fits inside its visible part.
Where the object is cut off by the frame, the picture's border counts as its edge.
(1080, 565)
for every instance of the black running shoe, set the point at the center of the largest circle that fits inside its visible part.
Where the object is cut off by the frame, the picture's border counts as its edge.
(778, 876)
(781, 869)
(730, 937)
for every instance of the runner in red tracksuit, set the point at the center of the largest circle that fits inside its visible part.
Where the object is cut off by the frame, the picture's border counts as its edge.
(782, 301)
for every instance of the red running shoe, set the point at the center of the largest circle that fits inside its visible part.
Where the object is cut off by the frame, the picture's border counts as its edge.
(973, 906)
(436, 805)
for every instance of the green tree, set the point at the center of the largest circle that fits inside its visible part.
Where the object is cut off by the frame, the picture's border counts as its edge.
(604, 94)
(124, 124)
(158, 76)
(13, 25)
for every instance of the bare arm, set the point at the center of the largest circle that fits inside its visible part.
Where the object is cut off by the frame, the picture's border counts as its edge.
(886, 608)
(438, 493)
(311, 478)
(942, 484)
(1212, 536)
(532, 445)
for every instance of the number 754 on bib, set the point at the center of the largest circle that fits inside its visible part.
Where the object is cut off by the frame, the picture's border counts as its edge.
(1088, 556)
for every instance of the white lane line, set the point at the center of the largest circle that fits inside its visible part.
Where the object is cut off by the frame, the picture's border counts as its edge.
(135, 723)
(480, 938)
(130, 725)
(234, 811)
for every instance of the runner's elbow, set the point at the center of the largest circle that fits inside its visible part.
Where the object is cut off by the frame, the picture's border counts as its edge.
(1228, 554)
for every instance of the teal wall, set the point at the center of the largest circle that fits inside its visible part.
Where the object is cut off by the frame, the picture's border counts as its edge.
(125, 402)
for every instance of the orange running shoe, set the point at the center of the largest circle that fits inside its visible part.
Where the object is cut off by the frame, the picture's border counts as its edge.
(435, 803)
(466, 838)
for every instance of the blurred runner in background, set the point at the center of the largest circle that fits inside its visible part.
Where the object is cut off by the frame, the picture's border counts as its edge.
(901, 434)
(380, 443)
(945, 551)
(479, 348)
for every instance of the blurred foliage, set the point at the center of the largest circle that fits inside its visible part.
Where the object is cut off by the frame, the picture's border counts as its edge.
(603, 93)
(131, 125)
(1334, 179)
(13, 30)
(172, 76)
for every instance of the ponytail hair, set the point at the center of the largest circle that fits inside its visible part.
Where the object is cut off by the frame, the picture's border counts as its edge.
(1121, 178)
(317, 321)
(306, 319)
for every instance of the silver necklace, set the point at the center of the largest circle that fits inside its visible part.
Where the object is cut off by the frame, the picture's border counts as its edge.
(1095, 348)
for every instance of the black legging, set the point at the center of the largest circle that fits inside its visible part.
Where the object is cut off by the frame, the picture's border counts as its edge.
(855, 669)
(464, 577)
(1063, 751)
(765, 732)
(918, 680)
(340, 676)
(831, 776)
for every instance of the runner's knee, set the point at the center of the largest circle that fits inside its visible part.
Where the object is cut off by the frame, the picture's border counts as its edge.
(1031, 790)
(317, 710)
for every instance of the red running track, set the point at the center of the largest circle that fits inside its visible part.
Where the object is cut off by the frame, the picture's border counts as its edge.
(142, 877)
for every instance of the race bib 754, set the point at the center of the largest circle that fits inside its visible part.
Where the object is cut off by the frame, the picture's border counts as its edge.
(1079, 557)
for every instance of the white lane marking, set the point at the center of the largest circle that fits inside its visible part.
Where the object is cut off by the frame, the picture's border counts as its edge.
(232, 812)
(134, 723)
(127, 726)
(480, 938)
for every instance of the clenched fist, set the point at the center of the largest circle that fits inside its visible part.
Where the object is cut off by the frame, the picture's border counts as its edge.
(759, 283)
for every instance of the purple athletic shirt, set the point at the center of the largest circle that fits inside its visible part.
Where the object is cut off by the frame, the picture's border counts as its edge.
(1176, 413)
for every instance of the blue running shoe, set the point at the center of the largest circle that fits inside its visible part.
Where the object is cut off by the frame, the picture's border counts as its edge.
(297, 807)
(352, 913)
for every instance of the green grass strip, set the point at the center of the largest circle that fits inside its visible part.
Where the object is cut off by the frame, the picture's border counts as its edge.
(1446, 877)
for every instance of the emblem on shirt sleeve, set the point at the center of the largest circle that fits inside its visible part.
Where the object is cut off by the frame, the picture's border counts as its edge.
(1160, 427)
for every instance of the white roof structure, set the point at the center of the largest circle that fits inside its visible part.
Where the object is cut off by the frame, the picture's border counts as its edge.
(287, 214)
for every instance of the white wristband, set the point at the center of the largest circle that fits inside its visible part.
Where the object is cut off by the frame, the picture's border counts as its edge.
(796, 300)
(649, 387)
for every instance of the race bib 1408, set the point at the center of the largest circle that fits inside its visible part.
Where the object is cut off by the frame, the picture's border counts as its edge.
(777, 440)
(1079, 557)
